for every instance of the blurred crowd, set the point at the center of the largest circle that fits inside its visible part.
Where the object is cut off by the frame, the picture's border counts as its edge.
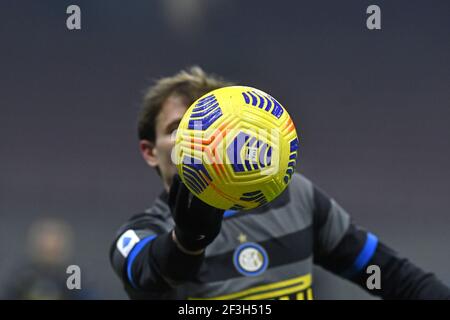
(42, 273)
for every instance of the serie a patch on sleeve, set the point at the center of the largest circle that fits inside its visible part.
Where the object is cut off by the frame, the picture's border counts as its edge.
(126, 242)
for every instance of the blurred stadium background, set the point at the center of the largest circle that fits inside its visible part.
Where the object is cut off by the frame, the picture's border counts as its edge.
(372, 108)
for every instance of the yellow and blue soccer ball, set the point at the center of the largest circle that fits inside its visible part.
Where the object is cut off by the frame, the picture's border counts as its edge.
(236, 148)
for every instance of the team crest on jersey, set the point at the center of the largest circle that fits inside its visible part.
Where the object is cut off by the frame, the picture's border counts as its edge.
(250, 259)
(126, 242)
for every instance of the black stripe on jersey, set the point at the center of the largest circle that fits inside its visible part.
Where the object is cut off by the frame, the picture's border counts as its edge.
(322, 206)
(346, 252)
(293, 247)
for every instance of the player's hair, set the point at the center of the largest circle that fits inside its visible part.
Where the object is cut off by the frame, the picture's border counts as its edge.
(190, 84)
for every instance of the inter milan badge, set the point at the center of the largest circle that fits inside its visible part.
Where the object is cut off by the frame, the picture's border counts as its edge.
(250, 259)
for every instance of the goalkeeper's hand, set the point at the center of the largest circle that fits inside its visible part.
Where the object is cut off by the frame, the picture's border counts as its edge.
(197, 224)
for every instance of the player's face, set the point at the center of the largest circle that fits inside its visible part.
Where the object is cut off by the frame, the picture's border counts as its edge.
(158, 154)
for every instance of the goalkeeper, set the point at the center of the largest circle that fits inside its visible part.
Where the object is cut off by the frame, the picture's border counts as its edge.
(181, 248)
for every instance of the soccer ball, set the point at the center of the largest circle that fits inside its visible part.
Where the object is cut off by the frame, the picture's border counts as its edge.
(236, 148)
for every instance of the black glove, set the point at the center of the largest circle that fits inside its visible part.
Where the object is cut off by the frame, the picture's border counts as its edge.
(197, 224)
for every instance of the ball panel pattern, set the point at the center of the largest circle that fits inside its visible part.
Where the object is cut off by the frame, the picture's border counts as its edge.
(236, 148)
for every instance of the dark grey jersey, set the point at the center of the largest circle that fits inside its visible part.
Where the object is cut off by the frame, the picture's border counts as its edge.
(264, 253)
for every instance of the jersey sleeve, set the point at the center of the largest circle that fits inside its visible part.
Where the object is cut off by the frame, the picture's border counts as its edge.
(347, 250)
(147, 260)
(131, 245)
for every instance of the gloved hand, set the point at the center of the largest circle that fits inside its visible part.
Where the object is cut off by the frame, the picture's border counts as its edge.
(197, 224)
